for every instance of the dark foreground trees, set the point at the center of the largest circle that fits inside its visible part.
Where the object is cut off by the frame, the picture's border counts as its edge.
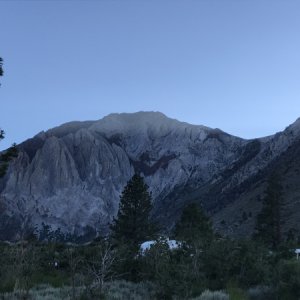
(269, 222)
(194, 227)
(132, 225)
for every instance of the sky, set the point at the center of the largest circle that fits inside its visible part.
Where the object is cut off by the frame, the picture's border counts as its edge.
(233, 65)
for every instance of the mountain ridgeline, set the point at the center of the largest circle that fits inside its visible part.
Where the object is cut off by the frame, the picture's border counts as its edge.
(71, 176)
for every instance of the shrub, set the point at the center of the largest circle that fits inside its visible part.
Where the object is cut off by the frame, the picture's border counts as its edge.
(43, 291)
(235, 293)
(125, 290)
(261, 293)
(213, 295)
(289, 280)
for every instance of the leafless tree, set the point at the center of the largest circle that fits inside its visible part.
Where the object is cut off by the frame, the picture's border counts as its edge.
(101, 267)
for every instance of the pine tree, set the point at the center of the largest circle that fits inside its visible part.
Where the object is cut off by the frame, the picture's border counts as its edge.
(1, 74)
(132, 225)
(194, 231)
(1, 64)
(194, 226)
(268, 222)
(1, 131)
(10, 152)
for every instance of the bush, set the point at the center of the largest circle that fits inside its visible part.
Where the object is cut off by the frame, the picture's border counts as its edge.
(261, 293)
(43, 291)
(235, 293)
(125, 290)
(213, 295)
(289, 280)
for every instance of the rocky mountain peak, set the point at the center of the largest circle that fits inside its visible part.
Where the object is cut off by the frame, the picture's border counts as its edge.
(142, 122)
(70, 177)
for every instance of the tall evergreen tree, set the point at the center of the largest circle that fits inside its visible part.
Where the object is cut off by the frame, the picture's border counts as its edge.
(1, 74)
(132, 225)
(1, 64)
(268, 222)
(194, 226)
(194, 231)
(10, 152)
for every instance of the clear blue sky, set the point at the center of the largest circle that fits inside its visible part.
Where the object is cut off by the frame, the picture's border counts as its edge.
(229, 64)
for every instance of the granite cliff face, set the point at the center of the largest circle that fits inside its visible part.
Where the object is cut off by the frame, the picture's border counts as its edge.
(70, 177)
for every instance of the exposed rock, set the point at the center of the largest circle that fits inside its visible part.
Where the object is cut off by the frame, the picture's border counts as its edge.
(70, 177)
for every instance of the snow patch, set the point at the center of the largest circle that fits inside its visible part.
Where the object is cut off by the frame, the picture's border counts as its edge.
(172, 244)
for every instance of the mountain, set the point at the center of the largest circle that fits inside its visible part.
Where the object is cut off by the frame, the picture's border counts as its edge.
(71, 176)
